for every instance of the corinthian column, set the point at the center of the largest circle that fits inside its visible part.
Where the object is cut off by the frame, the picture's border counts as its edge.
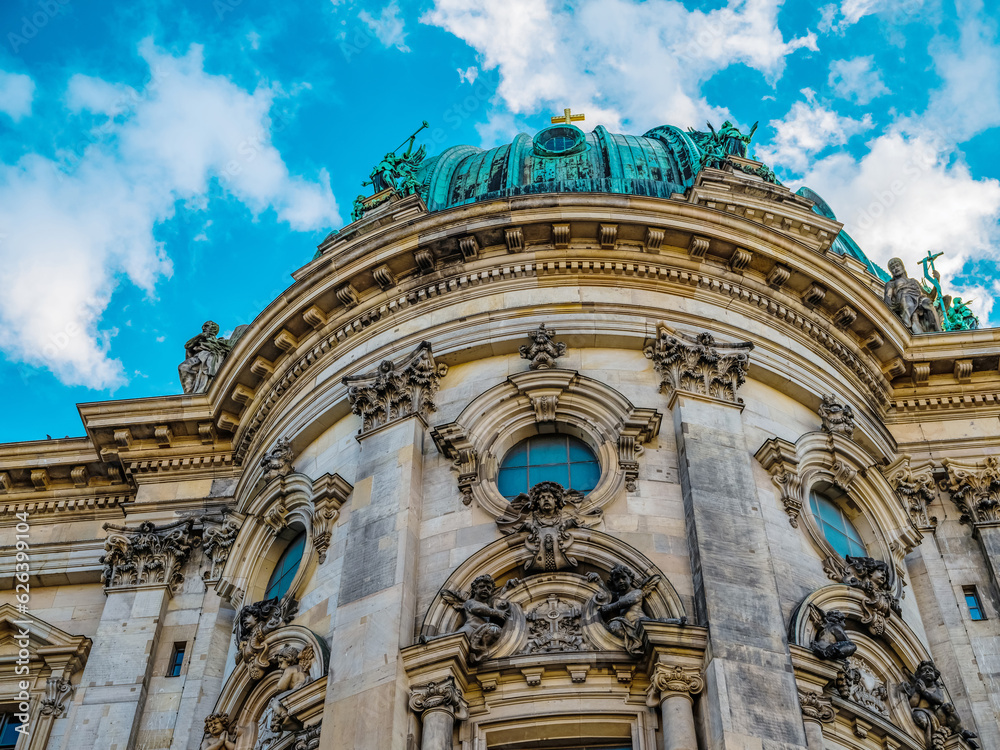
(674, 689)
(439, 704)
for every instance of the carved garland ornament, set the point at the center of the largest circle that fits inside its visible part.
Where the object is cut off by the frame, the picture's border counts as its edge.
(699, 364)
(147, 554)
(396, 390)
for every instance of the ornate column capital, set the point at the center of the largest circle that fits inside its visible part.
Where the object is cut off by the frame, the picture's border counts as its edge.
(396, 390)
(667, 681)
(914, 486)
(443, 695)
(146, 555)
(816, 707)
(975, 490)
(57, 690)
(698, 364)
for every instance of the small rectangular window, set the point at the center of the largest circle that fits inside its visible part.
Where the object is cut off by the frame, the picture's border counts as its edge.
(177, 661)
(972, 601)
(8, 731)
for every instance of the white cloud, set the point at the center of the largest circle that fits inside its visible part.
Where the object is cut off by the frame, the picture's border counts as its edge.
(86, 93)
(909, 194)
(857, 79)
(469, 75)
(73, 229)
(806, 130)
(16, 94)
(840, 17)
(388, 26)
(617, 59)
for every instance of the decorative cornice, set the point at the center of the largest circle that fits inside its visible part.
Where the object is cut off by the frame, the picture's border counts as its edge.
(396, 390)
(443, 695)
(146, 555)
(816, 707)
(698, 364)
(668, 680)
(975, 489)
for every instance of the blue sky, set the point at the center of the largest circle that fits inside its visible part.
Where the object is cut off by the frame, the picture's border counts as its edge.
(165, 163)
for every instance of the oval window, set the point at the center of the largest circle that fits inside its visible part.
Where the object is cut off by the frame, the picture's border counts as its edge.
(836, 527)
(288, 565)
(560, 140)
(548, 458)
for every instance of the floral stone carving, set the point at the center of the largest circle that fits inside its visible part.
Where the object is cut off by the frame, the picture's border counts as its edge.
(873, 577)
(832, 641)
(277, 462)
(542, 351)
(217, 542)
(621, 606)
(698, 364)
(308, 738)
(547, 512)
(396, 390)
(930, 710)
(443, 695)
(485, 613)
(858, 683)
(218, 733)
(837, 418)
(147, 554)
(553, 625)
(253, 624)
(915, 490)
(667, 680)
(975, 490)
(816, 706)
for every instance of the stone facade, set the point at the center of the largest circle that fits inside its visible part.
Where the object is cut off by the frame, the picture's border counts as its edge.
(690, 600)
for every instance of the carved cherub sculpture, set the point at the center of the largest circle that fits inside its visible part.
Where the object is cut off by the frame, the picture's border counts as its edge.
(931, 712)
(294, 665)
(624, 613)
(832, 641)
(547, 512)
(485, 614)
(217, 733)
(873, 577)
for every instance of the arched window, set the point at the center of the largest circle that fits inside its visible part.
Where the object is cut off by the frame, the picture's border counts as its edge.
(836, 527)
(287, 567)
(548, 458)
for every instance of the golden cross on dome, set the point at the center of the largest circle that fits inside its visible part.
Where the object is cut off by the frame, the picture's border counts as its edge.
(567, 117)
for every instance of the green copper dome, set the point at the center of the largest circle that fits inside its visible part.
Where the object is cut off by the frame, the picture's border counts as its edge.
(563, 159)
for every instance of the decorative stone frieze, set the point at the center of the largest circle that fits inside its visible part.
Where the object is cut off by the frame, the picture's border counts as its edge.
(816, 706)
(57, 690)
(915, 489)
(831, 641)
(666, 680)
(698, 364)
(146, 555)
(874, 578)
(859, 683)
(396, 390)
(217, 542)
(621, 606)
(253, 624)
(931, 710)
(553, 626)
(837, 417)
(443, 695)
(975, 489)
(542, 351)
(277, 462)
(548, 513)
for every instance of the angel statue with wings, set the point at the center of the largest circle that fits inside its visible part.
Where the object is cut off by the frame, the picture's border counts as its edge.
(547, 512)
(294, 665)
(832, 641)
(624, 613)
(485, 614)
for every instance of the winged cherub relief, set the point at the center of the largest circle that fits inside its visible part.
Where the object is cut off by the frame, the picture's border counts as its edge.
(832, 641)
(547, 512)
(485, 614)
(294, 665)
(624, 612)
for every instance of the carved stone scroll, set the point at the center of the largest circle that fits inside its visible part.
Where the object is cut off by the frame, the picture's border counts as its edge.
(816, 707)
(699, 364)
(396, 390)
(779, 459)
(146, 554)
(668, 679)
(443, 695)
(57, 690)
